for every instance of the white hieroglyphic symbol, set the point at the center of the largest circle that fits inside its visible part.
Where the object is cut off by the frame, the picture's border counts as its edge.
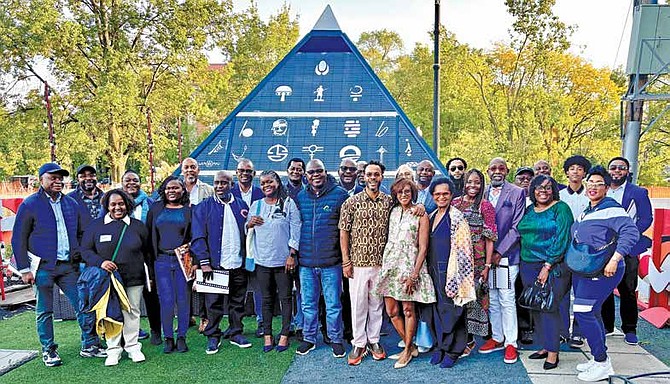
(356, 92)
(382, 130)
(240, 156)
(277, 153)
(216, 148)
(246, 131)
(352, 128)
(408, 149)
(312, 149)
(279, 127)
(282, 91)
(315, 126)
(322, 68)
(381, 152)
(350, 152)
(319, 93)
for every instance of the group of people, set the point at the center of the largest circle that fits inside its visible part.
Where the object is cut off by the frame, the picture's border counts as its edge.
(439, 258)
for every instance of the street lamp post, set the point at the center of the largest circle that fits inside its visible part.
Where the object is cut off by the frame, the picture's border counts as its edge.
(50, 121)
(150, 143)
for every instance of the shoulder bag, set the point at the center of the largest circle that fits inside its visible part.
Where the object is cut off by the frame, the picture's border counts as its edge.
(586, 260)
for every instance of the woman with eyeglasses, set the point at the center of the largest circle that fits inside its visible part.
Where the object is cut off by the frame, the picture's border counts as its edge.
(456, 167)
(545, 236)
(481, 217)
(276, 222)
(604, 223)
(451, 268)
(403, 277)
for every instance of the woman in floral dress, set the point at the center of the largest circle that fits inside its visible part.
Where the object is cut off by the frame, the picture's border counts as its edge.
(481, 216)
(403, 277)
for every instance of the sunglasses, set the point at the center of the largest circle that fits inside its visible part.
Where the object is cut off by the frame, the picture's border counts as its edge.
(317, 171)
(247, 171)
(348, 169)
(614, 167)
(455, 167)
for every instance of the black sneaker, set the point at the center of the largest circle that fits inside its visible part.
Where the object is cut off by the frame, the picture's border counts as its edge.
(259, 331)
(304, 348)
(576, 342)
(51, 358)
(240, 341)
(338, 350)
(156, 338)
(92, 351)
(298, 334)
(169, 345)
(213, 345)
(181, 345)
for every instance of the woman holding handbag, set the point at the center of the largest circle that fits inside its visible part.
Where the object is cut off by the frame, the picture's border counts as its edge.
(117, 242)
(602, 234)
(275, 219)
(169, 226)
(545, 236)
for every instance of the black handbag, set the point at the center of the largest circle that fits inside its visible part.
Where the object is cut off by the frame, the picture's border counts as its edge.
(587, 261)
(539, 297)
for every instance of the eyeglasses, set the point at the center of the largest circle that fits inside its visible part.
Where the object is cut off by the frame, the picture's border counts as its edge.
(348, 169)
(317, 171)
(405, 192)
(523, 178)
(501, 168)
(455, 167)
(545, 188)
(595, 185)
(419, 170)
(247, 171)
(614, 167)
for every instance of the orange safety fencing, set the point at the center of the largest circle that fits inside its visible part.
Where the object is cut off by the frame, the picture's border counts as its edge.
(659, 192)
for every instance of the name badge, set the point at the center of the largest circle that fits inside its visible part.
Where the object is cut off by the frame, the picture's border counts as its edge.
(105, 238)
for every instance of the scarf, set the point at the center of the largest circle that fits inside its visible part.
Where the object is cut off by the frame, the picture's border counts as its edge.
(460, 285)
(142, 199)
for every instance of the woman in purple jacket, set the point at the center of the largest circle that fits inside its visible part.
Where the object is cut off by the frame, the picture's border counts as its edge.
(602, 222)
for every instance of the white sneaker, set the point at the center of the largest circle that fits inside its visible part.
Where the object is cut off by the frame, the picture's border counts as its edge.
(137, 356)
(111, 360)
(615, 333)
(585, 366)
(598, 371)
(423, 349)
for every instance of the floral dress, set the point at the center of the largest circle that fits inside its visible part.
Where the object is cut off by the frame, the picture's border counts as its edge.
(400, 255)
(482, 223)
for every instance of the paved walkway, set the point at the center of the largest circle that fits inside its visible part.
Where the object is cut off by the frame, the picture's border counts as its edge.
(10, 359)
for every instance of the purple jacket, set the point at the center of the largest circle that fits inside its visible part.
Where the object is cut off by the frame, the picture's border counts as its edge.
(509, 211)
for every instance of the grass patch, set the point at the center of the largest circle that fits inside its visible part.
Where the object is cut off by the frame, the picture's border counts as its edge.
(231, 364)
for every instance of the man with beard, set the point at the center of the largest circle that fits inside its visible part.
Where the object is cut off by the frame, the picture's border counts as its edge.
(457, 167)
(348, 176)
(510, 203)
(425, 172)
(49, 225)
(295, 172)
(198, 191)
(360, 173)
(219, 243)
(87, 194)
(635, 201)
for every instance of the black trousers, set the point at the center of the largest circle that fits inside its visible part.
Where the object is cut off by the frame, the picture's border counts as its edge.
(153, 306)
(237, 285)
(275, 282)
(524, 316)
(628, 300)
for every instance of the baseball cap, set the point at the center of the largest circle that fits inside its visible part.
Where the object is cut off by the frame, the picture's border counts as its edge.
(53, 168)
(521, 170)
(85, 167)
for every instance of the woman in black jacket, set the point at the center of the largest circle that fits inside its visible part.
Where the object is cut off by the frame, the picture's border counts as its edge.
(117, 229)
(169, 225)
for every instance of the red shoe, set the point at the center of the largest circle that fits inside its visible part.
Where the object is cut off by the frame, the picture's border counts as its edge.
(511, 355)
(491, 346)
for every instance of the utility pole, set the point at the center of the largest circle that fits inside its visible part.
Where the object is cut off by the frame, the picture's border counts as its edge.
(180, 137)
(436, 85)
(50, 121)
(150, 143)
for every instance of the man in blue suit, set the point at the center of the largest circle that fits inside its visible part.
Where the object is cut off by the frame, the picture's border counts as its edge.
(635, 201)
(510, 203)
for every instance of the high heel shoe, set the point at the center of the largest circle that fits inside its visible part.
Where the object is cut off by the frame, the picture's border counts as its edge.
(538, 356)
(268, 348)
(547, 365)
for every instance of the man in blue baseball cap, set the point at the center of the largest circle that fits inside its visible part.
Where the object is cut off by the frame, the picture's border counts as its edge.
(48, 228)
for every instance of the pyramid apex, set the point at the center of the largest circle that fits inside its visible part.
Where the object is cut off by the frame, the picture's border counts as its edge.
(327, 21)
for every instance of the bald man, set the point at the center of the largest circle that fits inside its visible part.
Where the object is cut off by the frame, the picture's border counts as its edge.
(198, 191)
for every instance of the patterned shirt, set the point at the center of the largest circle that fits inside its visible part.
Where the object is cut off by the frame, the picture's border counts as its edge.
(94, 204)
(366, 220)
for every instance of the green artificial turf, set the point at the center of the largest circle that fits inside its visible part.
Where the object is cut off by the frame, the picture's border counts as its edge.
(230, 365)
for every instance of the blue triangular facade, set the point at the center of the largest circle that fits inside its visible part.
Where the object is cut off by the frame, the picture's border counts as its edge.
(321, 101)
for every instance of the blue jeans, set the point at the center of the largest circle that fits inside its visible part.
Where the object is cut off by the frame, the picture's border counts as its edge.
(171, 287)
(65, 275)
(313, 281)
(590, 293)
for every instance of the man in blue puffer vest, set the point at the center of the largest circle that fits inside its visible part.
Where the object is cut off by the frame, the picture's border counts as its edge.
(320, 258)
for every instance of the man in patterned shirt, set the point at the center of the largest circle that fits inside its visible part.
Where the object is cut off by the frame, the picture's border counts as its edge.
(87, 193)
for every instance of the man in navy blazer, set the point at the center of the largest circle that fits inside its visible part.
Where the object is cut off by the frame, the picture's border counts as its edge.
(510, 203)
(635, 201)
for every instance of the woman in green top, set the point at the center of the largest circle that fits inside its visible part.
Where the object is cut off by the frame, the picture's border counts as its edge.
(545, 236)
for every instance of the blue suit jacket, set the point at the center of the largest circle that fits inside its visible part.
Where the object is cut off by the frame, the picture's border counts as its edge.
(637, 204)
(509, 211)
(256, 193)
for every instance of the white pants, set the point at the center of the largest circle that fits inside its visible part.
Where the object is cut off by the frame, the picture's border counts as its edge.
(502, 310)
(366, 306)
(131, 325)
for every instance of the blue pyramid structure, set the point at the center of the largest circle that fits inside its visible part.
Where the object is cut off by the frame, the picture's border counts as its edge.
(322, 101)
